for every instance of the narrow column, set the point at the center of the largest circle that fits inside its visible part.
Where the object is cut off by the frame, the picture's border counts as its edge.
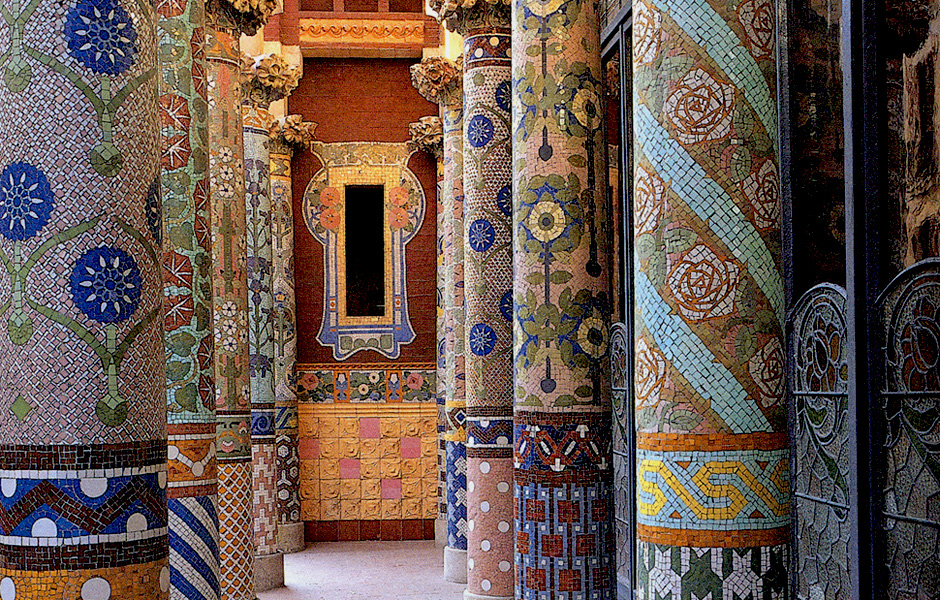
(440, 81)
(83, 465)
(230, 294)
(265, 79)
(187, 289)
(287, 136)
(712, 460)
(564, 532)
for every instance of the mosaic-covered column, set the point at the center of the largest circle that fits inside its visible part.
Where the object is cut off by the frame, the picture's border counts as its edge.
(265, 79)
(83, 462)
(564, 530)
(440, 81)
(488, 297)
(230, 294)
(287, 137)
(187, 288)
(712, 460)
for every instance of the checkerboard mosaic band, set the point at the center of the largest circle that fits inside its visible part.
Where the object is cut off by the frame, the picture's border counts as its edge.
(456, 495)
(264, 497)
(194, 548)
(236, 547)
(713, 463)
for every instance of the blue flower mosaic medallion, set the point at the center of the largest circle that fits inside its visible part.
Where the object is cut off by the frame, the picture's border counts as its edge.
(479, 131)
(106, 284)
(482, 339)
(481, 235)
(504, 200)
(154, 209)
(101, 36)
(504, 95)
(26, 201)
(505, 305)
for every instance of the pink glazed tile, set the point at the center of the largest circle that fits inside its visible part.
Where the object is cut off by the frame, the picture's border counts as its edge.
(369, 428)
(411, 447)
(391, 489)
(309, 448)
(349, 468)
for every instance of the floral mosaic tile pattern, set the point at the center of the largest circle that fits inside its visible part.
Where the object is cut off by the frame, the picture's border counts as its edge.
(366, 383)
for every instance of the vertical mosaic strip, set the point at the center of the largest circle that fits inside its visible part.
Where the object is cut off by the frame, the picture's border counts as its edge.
(81, 304)
(561, 305)
(230, 309)
(187, 288)
(708, 356)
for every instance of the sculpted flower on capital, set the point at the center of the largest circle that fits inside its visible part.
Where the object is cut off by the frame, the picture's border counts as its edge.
(437, 79)
(648, 197)
(704, 284)
(700, 108)
(762, 189)
(647, 33)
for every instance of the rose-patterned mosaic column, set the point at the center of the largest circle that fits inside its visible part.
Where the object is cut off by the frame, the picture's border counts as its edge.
(187, 287)
(712, 460)
(287, 136)
(564, 533)
(230, 292)
(83, 460)
(440, 81)
(265, 79)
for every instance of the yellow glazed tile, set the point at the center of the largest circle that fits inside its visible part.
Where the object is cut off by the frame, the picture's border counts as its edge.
(349, 509)
(330, 510)
(369, 469)
(430, 508)
(410, 488)
(411, 467)
(390, 448)
(349, 447)
(391, 509)
(310, 490)
(308, 426)
(349, 427)
(349, 488)
(390, 469)
(391, 427)
(370, 449)
(329, 469)
(411, 508)
(310, 510)
(429, 446)
(329, 489)
(330, 448)
(371, 510)
(329, 428)
(371, 489)
(411, 427)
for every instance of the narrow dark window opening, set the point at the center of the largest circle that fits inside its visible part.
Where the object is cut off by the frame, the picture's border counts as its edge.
(365, 250)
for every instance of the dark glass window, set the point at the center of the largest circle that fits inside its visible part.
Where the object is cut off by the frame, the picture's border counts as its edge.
(365, 250)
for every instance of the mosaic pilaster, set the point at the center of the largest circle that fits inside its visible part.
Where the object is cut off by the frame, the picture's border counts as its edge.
(83, 458)
(230, 310)
(713, 515)
(262, 85)
(561, 254)
(440, 81)
(187, 287)
(287, 136)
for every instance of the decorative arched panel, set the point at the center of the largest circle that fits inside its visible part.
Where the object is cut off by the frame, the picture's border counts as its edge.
(624, 486)
(820, 440)
(324, 212)
(909, 421)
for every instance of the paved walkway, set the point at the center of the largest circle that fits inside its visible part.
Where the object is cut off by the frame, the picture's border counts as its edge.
(366, 571)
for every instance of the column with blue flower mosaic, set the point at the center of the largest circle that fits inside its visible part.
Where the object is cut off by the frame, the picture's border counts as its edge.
(561, 312)
(225, 22)
(265, 79)
(187, 260)
(487, 167)
(441, 81)
(81, 350)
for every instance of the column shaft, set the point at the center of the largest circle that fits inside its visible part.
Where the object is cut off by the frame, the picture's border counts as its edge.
(230, 313)
(83, 464)
(709, 359)
(564, 534)
(187, 288)
(487, 257)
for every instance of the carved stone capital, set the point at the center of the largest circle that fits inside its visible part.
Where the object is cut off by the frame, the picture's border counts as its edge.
(291, 134)
(427, 134)
(438, 80)
(267, 78)
(239, 16)
(463, 16)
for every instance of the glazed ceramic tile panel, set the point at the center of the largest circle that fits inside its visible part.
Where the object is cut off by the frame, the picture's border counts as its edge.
(324, 212)
(708, 356)
(81, 303)
(487, 167)
(187, 247)
(230, 313)
(561, 318)
(285, 343)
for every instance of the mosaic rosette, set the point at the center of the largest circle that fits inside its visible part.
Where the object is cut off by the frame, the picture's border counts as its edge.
(80, 236)
(230, 315)
(707, 272)
(561, 305)
(487, 245)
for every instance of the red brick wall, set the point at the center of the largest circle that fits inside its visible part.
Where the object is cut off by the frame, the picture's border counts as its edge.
(363, 100)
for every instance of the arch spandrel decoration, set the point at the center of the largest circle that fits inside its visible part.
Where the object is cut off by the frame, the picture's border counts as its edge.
(909, 309)
(819, 387)
(324, 212)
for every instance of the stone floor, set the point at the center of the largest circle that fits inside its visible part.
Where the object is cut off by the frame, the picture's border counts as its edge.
(366, 571)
